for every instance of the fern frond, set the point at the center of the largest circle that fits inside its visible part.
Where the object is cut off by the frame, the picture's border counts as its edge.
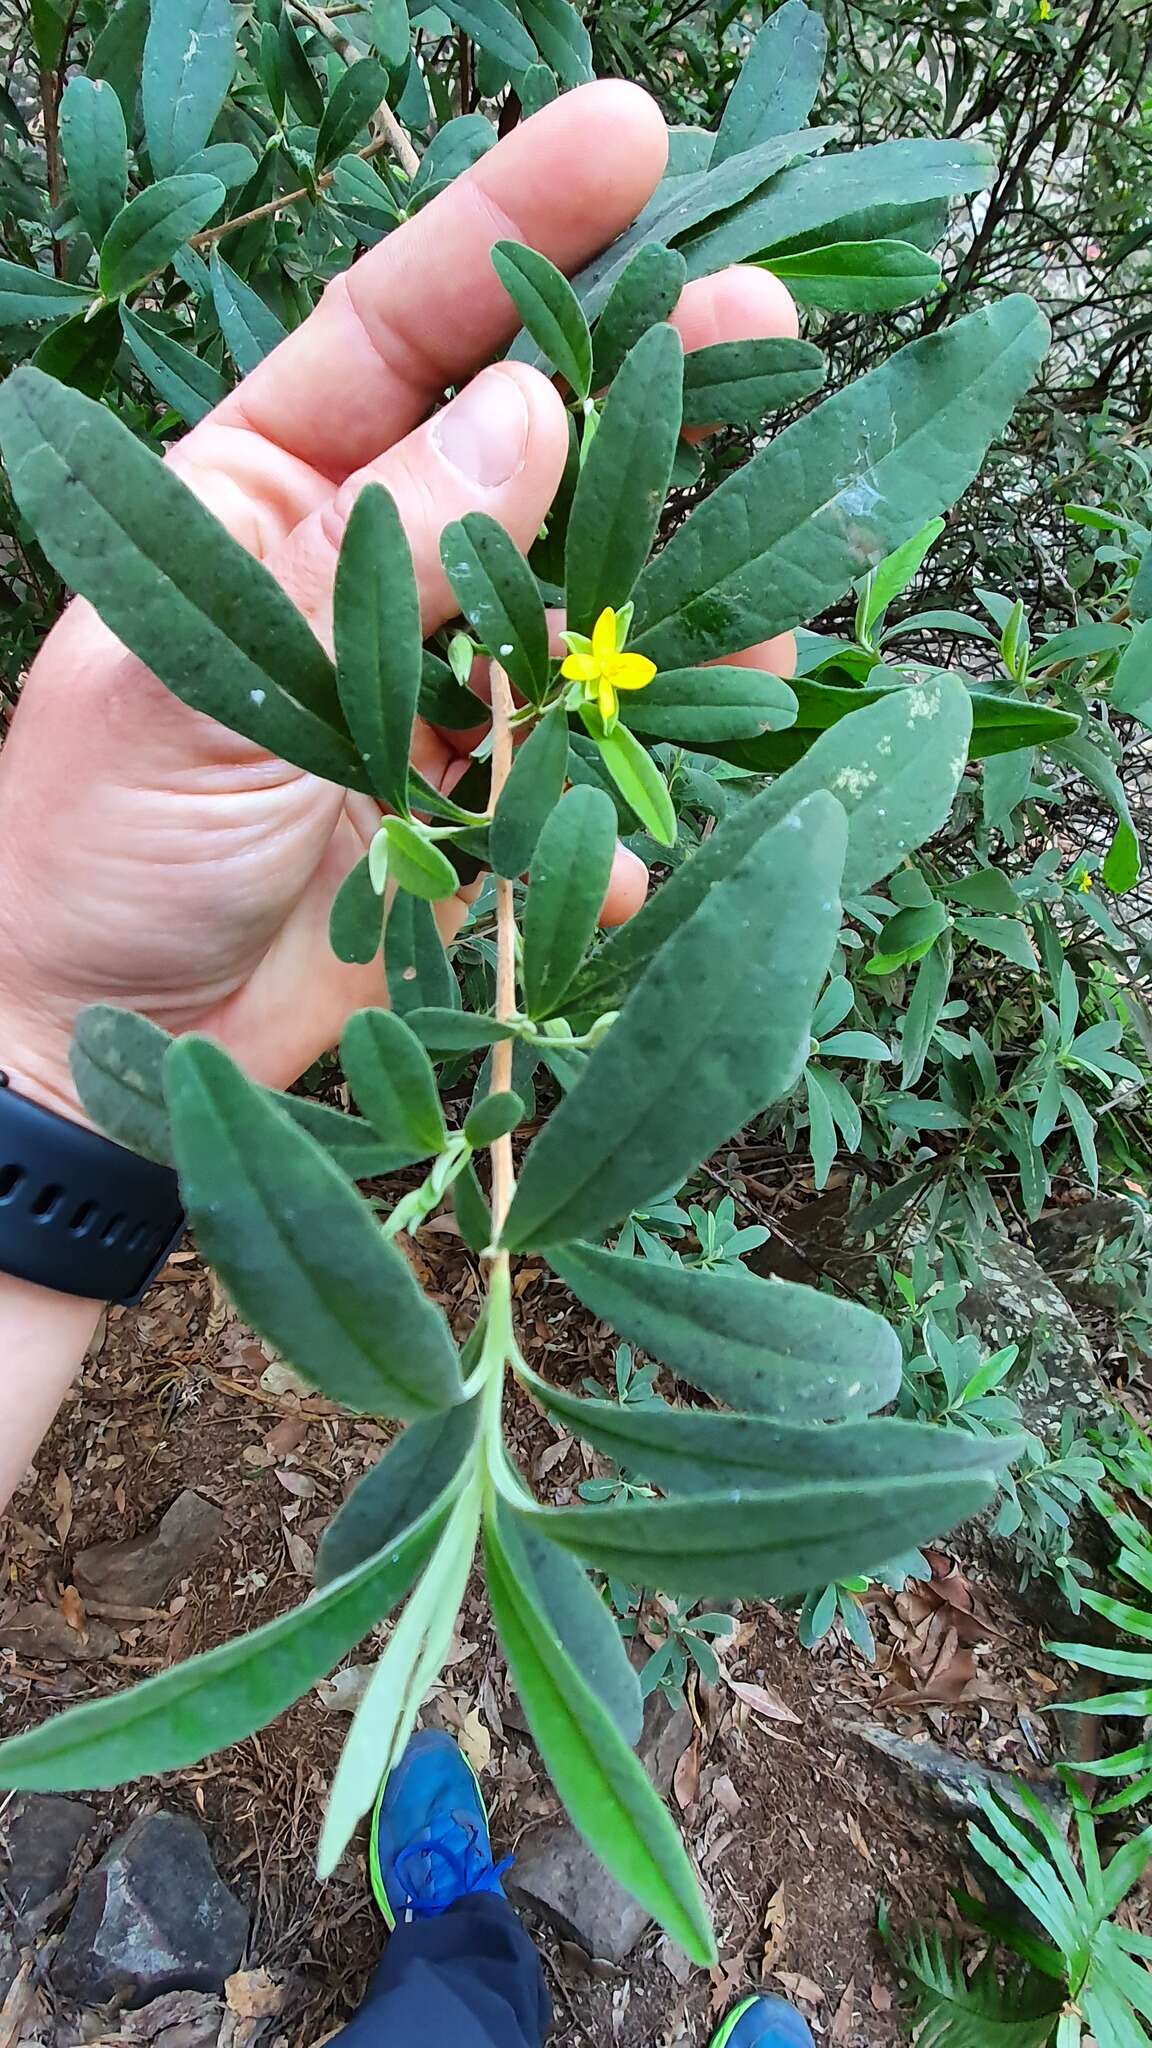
(953, 2010)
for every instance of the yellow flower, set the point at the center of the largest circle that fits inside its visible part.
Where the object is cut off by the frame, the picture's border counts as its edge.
(1084, 882)
(601, 665)
(1044, 11)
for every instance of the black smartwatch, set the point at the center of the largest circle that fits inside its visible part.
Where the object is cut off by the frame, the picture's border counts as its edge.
(79, 1214)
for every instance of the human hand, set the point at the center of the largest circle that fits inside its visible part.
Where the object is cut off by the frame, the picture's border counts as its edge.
(151, 858)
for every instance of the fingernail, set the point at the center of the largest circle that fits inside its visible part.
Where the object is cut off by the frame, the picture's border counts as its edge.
(484, 432)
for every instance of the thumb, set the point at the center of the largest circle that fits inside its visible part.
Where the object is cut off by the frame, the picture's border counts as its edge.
(499, 447)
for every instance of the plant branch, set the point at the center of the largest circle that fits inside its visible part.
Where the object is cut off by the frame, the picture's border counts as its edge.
(383, 118)
(503, 1172)
(244, 220)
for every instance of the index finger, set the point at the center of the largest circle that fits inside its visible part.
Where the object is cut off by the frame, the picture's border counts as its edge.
(425, 308)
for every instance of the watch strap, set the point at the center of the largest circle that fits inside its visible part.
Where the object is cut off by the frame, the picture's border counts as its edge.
(79, 1214)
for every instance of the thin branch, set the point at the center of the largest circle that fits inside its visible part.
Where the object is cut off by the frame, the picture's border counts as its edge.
(383, 119)
(503, 1172)
(244, 220)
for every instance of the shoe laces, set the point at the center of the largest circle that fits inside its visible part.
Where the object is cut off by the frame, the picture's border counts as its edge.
(446, 1861)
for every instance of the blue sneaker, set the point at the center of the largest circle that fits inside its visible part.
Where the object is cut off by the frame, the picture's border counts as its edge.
(763, 2022)
(430, 1842)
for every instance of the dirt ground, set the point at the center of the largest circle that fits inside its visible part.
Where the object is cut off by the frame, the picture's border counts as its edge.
(800, 1831)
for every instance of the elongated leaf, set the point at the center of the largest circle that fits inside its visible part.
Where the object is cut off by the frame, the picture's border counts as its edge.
(1132, 683)
(582, 1619)
(379, 657)
(231, 162)
(415, 963)
(530, 793)
(813, 202)
(496, 29)
(894, 768)
(190, 601)
(766, 1346)
(624, 480)
(210, 1701)
(778, 82)
(693, 1450)
(567, 884)
(184, 380)
(772, 1543)
(391, 1078)
(117, 1063)
(28, 297)
(498, 595)
(298, 1250)
(456, 1030)
(730, 999)
(356, 922)
(82, 351)
(118, 52)
(561, 38)
(703, 704)
(455, 148)
(420, 1470)
(639, 781)
(415, 863)
(858, 277)
(1000, 724)
(189, 57)
(146, 233)
(251, 329)
(837, 491)
(95, 144)
(603, 1785)
(300, 81)
(736, 383)
(492, 1117)
(355, 98)
(415, 1651)
(644, 293)
(550, 310)
(929, 995)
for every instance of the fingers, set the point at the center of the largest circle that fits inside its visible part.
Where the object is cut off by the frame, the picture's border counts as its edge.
(499, 448)
(425, 308)
(741, 303)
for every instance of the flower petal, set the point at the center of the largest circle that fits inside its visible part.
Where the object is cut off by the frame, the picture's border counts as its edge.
(581, 668)
(632, 672)
(606, 699)
(604, 635)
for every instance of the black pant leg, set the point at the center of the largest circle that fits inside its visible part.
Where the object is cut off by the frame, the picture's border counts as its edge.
(470, 1978)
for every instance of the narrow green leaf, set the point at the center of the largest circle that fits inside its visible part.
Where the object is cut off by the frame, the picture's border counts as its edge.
(417, 1473)
(639, 781)
(643, 295)
(858, 277)
(391, 1079)
(456, 1030)
(778, 81)
(567, 884)
(561, 38)
(472, 1211)
(929, 995)
(550, 310)
(298, 1250)
(391, 32)
(496, 29)
(415, 1651)
(740, 1544)
(250, 328)
(498, 595)
(623, 483)
(694, 1450)
(766, 1346)
(837, 491)
(844, 197)
(729, 998)
(300, 82)
(207, 1702)
(907, 936)
(602, 1784)
(95, 145)
(231, 162)
(1132, 683)
(532, 790)
(82, 351)
(580, 1616)
(737, 383)
(354, 99)
(189, 57)
(415, 964)
(416, 863)
(118, 52)
(28, 297)
(703, 704)
(164, 575)
(378, 636)
(893, 766)
(184, 380)
(146, 233)
(356, 920)
(493, 1117)
(12, 117)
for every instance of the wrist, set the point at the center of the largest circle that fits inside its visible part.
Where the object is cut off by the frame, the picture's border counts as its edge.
(34, 1053)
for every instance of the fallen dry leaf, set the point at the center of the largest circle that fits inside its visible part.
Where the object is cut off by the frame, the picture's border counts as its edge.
(881, 1997)
(476, 1740)
(72, 1608)
(254, 1995)
(800, 1986)
(62, 1496)
(726, 1796)
(686, 1779)
(845, 2016)
(775, 1927)
(762, 1699)
(300, 1553)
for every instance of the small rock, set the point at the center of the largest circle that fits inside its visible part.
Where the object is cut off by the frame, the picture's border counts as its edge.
(1068, 1241)
(153, 1916)
(557, 1873)
(40, 1631)
(139, 1571)
(945, 1785)
(1014, 1302)
(39, 1838)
